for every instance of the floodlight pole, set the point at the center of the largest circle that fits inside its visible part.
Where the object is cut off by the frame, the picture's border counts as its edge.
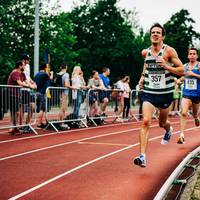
(36, 37)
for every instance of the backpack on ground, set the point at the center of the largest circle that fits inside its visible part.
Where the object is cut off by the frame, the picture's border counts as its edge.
(73, 123)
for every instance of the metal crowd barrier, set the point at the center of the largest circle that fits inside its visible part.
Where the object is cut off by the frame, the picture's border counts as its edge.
(105, 106)
(17, 108)
(66, 108)
(136, 105)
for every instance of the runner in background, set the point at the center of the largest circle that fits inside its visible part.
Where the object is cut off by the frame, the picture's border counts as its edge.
(191, 91)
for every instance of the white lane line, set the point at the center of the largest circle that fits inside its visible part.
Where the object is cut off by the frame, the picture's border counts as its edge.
(104, 143)
(71, 142)
(66, 143)
(70, 131)
(65, 132)
(75, 130)
(84, 165)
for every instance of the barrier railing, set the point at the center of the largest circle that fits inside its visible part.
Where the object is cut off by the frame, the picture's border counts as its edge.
(173, 178)
(66, 107)
(135, 105)
(104, 105)
(17, 108)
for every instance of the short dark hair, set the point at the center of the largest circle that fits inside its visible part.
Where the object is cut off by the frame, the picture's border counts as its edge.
(94, 72)
(195, 49)
(63, 66)
(42, 67)
(159, 26)
(105, 69)
(25, 57)
(18, 64)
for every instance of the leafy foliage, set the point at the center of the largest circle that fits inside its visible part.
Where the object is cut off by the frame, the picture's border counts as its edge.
(95, 34)
(16, 30)
(105, 38)
(57, 36)
(180, 33)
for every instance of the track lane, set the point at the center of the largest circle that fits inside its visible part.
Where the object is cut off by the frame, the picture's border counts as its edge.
(94, 150)
(34, 144)
(113, 176)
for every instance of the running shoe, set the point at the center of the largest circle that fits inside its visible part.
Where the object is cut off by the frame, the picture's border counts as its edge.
(181, 140)
(196, 121)
(167, 136)
(140, 161)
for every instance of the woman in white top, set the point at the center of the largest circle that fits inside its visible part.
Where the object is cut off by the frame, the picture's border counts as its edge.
(78, 83)
(126, 96)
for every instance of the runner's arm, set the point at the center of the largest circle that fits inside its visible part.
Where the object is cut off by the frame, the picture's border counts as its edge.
(172, 56)
(191, 73)
(141, 81)
(179, 68)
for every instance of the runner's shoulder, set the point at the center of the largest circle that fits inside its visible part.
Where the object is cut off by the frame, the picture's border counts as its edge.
(144, 53)
(170, 50)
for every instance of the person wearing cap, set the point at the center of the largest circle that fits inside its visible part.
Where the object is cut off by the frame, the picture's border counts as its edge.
(27, 97)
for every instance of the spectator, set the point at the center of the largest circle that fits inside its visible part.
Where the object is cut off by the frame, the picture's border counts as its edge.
(64, 98)
(119, 98)
(27, 97)
(42, 81)
(78, 83)
(103, 95)
(95, 83)
(16, 78)
(126, 96)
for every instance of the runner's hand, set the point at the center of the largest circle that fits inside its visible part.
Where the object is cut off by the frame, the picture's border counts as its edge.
(141, 82)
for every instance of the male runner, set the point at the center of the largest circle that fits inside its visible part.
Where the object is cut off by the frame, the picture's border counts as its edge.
(157, 81)
(191, 90)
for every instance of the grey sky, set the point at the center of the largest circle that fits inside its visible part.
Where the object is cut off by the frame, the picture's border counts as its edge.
(150, 11)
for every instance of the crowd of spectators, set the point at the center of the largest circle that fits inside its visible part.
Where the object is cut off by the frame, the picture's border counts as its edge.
(100, 93)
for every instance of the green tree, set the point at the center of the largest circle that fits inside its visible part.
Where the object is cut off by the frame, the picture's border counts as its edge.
(105, 38)
(180, 33)
(57, 36)
(16, 32)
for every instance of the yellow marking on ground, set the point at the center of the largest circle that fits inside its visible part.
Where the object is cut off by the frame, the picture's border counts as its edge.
(102, 143)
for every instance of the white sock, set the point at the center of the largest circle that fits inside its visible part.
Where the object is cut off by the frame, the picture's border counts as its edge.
(182, 134)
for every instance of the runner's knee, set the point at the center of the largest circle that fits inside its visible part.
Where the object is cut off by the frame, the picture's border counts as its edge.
(184, 114)
(146, 122)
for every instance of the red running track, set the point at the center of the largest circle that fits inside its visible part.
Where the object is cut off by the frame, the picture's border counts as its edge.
(90, 164)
